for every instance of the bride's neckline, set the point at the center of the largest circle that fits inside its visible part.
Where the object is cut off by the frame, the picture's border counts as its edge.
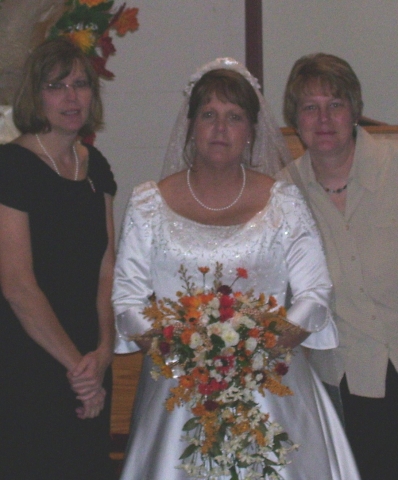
(234, 225)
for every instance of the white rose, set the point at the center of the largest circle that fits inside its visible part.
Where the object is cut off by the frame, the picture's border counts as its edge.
(251, 344)
(196, 340)
(248, 322)
(258, 362)
(214, 303)
(214, 329)
(229, 335)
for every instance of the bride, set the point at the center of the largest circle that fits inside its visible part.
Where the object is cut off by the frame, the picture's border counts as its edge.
(216, 204)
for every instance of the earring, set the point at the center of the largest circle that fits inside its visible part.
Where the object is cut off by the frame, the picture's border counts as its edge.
(247, 154)
(192, 149)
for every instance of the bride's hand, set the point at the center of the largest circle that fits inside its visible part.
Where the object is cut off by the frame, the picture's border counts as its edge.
(292, 337)
(144, 341)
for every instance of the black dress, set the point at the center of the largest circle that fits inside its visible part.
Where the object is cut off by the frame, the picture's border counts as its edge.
(41, 437)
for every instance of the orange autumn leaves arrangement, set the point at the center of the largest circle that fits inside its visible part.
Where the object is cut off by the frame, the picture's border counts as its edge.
(88, 24)
(221, 347)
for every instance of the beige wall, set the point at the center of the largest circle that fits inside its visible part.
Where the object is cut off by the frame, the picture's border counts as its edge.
(153, 65)
(364, 32)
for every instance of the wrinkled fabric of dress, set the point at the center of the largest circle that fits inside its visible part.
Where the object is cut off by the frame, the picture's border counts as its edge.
(279, 245)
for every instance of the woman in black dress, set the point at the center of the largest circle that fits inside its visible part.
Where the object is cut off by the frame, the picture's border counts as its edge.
(56, 266)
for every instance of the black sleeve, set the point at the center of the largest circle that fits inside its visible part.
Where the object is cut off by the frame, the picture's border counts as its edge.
(17, 175)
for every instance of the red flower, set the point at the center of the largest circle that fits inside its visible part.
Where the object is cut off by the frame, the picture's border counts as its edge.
(226, 314)
(168, 332)
(212, 386)
(224, 290)
(241, 272)
(281, 368)
(106, 45)
(226, 301)
(164, 348)
(204, 389)
(210, 405)
(226, 310)
(227, 362)
(99, 66)
(218, 386)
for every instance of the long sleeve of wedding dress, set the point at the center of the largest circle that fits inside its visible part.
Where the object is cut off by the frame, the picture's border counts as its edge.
(279, 246)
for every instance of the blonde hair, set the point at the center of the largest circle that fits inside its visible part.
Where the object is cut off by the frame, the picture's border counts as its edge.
(59, 53)
(331, 73)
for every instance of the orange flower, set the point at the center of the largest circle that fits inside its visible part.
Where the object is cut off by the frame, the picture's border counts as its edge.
(178, 396)
(269, 339)
(186, 336)
(206, 298)
(166, 371)
(199, 410)
(241, 272)
(276, 387)
(192, 313)
(188, 301)
(254, 332)
(261, 299)
(187, 381)
(260, 439)
(91, 3)
(201, 374)
(127, 21)
(203, 270)
(85, 39)
(272, 302)
(282, 311)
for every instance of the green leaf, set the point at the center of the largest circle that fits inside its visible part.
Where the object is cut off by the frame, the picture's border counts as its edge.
(234, 475)
(101, 20)
(263, 429)
(104, 7)
(215, 450)
(221, 432)
(190, 450)
(242, 464)
(190, 424)
(281, 437)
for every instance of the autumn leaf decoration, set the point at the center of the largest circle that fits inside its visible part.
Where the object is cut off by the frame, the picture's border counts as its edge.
(88, 24)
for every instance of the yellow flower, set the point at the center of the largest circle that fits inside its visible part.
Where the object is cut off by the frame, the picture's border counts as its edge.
(85, 39)
(91, 3)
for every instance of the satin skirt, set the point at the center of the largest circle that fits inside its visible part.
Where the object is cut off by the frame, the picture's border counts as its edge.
(308, 416)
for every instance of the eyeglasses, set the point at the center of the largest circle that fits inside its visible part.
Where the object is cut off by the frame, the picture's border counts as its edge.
(61, 88)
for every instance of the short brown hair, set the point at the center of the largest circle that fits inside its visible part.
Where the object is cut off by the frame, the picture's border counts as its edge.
(228, 85)
(55, 53)
(331, 73)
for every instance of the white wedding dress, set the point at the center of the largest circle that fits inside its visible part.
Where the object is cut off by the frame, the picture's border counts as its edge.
(279, 245)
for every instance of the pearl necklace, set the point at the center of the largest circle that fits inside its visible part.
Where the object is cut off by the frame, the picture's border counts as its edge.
(53, 161)
(221, 208)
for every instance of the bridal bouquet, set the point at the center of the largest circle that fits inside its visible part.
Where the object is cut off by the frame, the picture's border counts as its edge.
(221, 346)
